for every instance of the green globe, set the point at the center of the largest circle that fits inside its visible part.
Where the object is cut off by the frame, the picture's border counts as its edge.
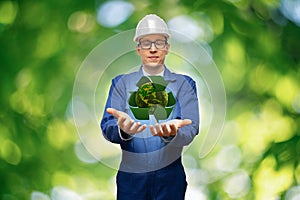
(146, 96)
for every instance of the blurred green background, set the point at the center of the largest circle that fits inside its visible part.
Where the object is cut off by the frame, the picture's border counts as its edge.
(255, 44)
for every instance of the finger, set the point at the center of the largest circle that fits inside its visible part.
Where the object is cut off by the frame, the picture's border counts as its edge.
(173, 129)
(153, 130)
(121, 121)
(134, 127)
(128, 124)
(184, 122)
(124, 123)
(113, 112)
(109, 110)
(141, 128)
(158, 129)
(166, 129)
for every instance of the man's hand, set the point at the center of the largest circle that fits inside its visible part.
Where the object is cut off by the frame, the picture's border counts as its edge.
(169, 128)
(125, 122)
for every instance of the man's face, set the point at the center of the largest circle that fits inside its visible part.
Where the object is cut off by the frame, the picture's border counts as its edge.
(153, 54)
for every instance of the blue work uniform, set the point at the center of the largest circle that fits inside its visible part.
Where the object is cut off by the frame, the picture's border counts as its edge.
(151, 166)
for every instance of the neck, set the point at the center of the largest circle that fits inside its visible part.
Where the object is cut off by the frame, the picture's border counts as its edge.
(153, 69)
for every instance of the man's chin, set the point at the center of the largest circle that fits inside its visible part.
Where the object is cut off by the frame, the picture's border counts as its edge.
(153, 65)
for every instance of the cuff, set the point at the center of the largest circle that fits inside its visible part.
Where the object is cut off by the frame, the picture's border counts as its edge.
(124, 136)
(167, 139)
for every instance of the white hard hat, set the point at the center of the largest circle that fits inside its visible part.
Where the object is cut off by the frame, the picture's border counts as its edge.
(151, 24)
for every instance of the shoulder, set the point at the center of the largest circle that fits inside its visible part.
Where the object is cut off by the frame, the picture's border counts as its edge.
(182, 81)
(125, 80)
(187, 82)
(181, 78)
(188, 79)
(125, 77)
(185, 77)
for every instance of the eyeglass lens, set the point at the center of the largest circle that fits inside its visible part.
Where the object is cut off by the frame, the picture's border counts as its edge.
(159, 44)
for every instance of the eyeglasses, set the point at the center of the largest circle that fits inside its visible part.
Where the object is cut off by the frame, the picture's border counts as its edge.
(159, 44)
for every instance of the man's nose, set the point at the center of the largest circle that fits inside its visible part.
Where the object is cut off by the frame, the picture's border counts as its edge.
(153, 47)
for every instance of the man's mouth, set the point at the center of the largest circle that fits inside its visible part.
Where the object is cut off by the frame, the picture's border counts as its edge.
(153, 57)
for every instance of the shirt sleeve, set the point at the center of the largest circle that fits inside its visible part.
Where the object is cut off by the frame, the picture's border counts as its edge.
(124, 136)
(187, 101)
(167, 139)
(109, 126)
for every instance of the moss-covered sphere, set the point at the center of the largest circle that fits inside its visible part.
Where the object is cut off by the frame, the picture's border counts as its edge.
(146, 96)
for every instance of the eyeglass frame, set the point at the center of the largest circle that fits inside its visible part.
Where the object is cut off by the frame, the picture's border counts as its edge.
(153, 42)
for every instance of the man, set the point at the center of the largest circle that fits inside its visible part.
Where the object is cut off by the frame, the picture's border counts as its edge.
(151, 166)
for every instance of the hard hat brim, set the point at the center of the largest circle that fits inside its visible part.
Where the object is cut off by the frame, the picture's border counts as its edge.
(136, 39)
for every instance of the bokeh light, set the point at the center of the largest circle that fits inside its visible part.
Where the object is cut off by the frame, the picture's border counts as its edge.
(8, 12)
(234, 69)
(60, 193)
(237, 185)
(81, 21)
(269, 182)
(113, 13)
(291, 10)
(10, 152)
(61, 134)
(287, 96)
(296, 103)
(191, 29)
(228, 158)
(293, 193)
(39, 196)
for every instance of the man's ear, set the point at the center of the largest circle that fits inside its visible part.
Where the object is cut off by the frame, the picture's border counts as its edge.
(167, 48)
(138, 50)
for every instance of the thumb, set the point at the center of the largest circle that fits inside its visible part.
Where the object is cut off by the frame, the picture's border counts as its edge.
(113, 112)
(184, 122)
